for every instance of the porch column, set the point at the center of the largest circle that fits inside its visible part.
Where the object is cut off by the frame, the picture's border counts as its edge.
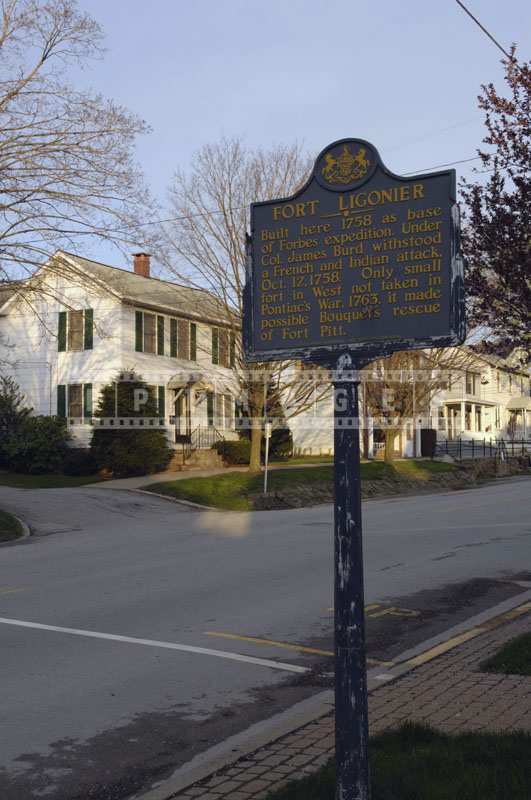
(473, 418)
(445, 420)
(462, 417)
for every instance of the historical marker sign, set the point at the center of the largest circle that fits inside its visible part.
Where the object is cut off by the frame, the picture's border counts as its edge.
(360, 260)
(359, 263)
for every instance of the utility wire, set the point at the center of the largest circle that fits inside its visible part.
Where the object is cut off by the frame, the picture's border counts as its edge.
(485, 31)
(239, 208)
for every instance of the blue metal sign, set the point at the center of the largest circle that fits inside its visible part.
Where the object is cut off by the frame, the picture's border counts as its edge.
(359, 261)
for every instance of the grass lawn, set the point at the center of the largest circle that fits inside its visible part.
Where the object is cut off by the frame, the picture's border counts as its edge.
(513, 659)
(9, 527)
(416, 763)
(231, 490)
(45, 481)
(306, 460)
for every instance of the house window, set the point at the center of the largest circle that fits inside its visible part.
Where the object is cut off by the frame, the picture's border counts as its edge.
(75, 330)
(471, 382)
(150, 333)
(75, 401)
(222, 349)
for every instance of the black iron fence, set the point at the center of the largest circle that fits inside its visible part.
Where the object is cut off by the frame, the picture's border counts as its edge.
(483, 448)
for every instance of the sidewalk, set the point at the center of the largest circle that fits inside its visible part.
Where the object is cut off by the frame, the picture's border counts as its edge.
(448, 692)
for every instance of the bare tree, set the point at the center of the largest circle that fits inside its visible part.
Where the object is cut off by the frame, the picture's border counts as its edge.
(67, 172)
(401, 386)
(211, 203)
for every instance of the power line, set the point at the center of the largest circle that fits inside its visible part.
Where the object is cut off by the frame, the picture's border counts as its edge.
(212, 212)
(485, 31)
(449, 164)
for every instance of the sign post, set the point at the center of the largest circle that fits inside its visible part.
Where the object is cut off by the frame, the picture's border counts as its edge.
(358, 264)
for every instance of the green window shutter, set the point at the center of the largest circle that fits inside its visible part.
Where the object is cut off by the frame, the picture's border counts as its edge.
(87, 401)
(173, 338)
(61, 332)
(139, 332)
(193, 341)
(162, 401)
(61, 400)
(160, 336)
(215, 346)
(88, 339)
(210, 408)
(232, 353)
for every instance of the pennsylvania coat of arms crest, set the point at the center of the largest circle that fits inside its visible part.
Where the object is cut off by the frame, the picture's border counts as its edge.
(347, 167)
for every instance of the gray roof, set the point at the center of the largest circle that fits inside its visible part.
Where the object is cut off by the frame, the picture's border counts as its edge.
(155, 293)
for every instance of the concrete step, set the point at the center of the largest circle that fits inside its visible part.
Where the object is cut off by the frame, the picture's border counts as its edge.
(198, 459)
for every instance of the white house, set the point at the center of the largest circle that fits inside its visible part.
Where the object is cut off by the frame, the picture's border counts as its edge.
(487, 400)
(86, 323)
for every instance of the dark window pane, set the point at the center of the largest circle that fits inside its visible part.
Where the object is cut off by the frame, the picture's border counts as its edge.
(75, 400)
(139, 332)
(149, 333)
(75, 330)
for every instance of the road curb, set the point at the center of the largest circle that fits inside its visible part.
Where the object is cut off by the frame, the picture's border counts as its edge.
(26, 531)
(179, 502)
(268, 731)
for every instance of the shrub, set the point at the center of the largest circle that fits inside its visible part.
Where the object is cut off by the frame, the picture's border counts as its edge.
(39, 445)
(13, 412)
(79, 461)
(234, 452)
(129, 451)
(280, 445)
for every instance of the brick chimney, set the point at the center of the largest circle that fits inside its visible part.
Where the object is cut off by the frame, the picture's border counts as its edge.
(141, 264)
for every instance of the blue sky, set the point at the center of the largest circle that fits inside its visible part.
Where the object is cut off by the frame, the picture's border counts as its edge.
(404, 75)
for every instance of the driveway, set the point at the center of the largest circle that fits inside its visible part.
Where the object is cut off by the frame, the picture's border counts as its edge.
(136, 632)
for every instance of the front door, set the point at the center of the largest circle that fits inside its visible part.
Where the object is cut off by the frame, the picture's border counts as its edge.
(182, 415)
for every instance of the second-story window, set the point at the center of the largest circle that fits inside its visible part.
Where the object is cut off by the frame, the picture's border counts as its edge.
(471, 382)
(75, 330)
(223, 350)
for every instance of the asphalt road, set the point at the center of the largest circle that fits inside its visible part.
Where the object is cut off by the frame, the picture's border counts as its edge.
(152, 594)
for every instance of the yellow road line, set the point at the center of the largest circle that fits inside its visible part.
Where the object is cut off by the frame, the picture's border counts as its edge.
(298, 648)
(487, 626)
(439, 649)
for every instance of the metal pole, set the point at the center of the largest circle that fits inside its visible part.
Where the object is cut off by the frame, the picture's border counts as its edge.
(267, 427)
(352, 735)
